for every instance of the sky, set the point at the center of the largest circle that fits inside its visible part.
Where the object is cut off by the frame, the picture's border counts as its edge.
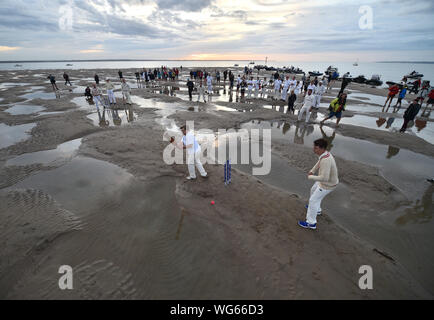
(282, 30)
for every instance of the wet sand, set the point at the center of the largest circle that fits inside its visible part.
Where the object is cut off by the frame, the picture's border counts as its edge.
(98, 197)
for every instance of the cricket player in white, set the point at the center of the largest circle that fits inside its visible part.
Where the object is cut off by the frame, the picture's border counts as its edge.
(286, 85)
(309, 100)
(209, 83)
(256, 84)
(201, 92)
(110, 87)
(277, 84)
(249, 87)
(318, 91)
(325, 182)
(193, 154)
(263, 87)
(126, 91)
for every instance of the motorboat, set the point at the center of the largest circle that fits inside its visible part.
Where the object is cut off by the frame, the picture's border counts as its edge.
(414, 75)
(315, 73)
(236, 65)
(360, 79)
(18, 65)
(69, 65)
(252, 62)
(375, 80)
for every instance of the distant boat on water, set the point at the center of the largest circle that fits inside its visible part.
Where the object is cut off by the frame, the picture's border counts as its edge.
(69, 64)
(18, 65)
(356, 63)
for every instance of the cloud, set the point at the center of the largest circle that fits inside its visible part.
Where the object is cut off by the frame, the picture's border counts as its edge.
(184, 5)
(6, 48)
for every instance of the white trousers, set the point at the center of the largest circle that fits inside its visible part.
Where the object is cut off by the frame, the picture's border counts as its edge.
(304, 109)
(284, 93)
(316, 196)
(209, 89)
(192, 160)
(111, 96)
(317, 100)
(249, 92)
(256, 92)
(199, 95)
(127, 97)
(276, 93)
(97, 100)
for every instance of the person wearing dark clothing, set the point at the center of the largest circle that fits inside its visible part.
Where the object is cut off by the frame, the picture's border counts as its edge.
(291, 100)
(231, 80)
(53, 82)
(276, 75)
(96, 79)
(225, 75)
(120, 74)
(190, 86)
(345, 82)
(410, 114)
(87, 93)
(66, 77)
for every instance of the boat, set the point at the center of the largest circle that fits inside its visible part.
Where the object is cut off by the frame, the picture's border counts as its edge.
(360, 79)
(252, 62)
(315, 73)
(18, 65)
(375, 80)
(236, 65)
(414, 75)
(69, 64)
(356, 63)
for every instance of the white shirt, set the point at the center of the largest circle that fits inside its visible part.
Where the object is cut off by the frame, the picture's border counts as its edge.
(256, 84)
(311, 86)
(249, 84)
(277, 84)
(209, 80)
(188, 139)
(239, 80)
(286, 84)
(308, 101)
(319, 91)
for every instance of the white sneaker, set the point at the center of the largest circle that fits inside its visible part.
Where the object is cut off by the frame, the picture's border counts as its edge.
(205, 176)
(191, 178)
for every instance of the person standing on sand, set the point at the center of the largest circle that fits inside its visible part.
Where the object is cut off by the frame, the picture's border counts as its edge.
(66, 78)
(87, 93)
(238, 83)
(309, 100)
(231, 80)
(422, 94)
(249, 87)
(325, 182)
(126, 91)
(291, 100)
(209, 83)
(256, 84)
(53, 82)
(193, 154)
(96, 94)
(429, 102)
(263, 87)
(393, 90)
(277, 85)
(410, 114)
(110, 87)
(120, 74)
(336, 107)
(190, 86)
(96, 79)
(400, 97)
(201, 92)
(285, 88)
(318, 91)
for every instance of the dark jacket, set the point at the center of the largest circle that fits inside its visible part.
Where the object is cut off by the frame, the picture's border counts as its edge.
(291, 99)
(412, 111)
(190, 85)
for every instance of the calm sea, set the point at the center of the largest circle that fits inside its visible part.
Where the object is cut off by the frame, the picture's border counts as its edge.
(388, 71)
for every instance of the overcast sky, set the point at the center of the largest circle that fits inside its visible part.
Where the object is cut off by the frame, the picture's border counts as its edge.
(285, 30)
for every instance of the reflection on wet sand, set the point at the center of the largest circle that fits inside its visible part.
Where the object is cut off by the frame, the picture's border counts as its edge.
(421, 212)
